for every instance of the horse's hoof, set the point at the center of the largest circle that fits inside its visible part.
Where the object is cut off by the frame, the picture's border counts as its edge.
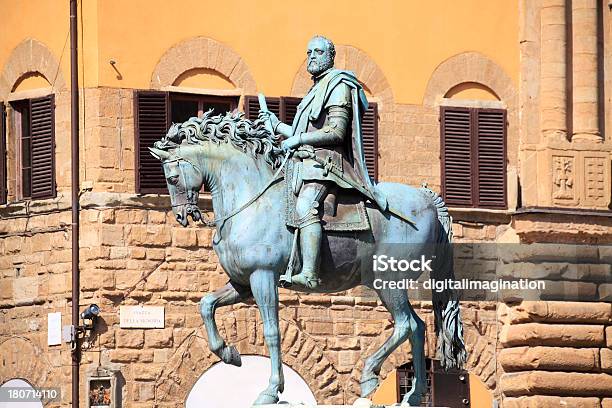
(265, 398)
(230, 355)
(306, 281)
(368, 386)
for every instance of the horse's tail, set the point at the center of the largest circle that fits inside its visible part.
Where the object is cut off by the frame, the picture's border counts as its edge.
(449, 329)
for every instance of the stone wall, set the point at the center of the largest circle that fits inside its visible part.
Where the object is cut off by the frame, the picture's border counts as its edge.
(556, 354)
(142, 256)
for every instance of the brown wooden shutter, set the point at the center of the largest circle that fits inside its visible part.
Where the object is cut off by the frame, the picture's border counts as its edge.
(3, 175)
(152, 123)
(491, 157)
(457, 155)
(473, 147)
(289, 106)
(251, 106)
(369, 130)
(42, 127)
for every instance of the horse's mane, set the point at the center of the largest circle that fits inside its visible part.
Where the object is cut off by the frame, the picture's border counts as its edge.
(249, 136)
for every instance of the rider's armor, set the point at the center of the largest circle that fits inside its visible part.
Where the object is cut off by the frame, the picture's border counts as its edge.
(324, 125)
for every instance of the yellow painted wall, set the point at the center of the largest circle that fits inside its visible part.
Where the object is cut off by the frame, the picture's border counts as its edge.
(204, 79)
(472, 90)
(386, 393)
(48, 21)
(408, 39)
(479, 394)
(31, 81)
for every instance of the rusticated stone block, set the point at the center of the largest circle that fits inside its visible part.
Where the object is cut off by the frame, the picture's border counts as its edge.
(549, 253)
(107, 216)
(145, 371)
(549, 358)
(368, 328)
(129, 338)
(551, 383)
(111, 235)
(606, 360)
(184, 237)
(157, 281)
(604, 292)
(609, 336)
(205, 236)
(158, 338)
(543, 401)
(127, 356)
(319, 328)
(146, 391)
(157, 217)
(129, 216)
(25, 289)
(152, 235)
(606, 403)
(345, 343)
(58, 283)
(562, 335)
(561, 312)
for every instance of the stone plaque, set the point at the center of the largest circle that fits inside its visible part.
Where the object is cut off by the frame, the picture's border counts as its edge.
(141, 317)
(54, 328)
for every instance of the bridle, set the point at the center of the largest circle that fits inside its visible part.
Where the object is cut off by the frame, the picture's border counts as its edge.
(188, 197)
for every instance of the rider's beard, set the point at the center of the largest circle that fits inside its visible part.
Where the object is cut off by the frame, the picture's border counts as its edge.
(318, 66)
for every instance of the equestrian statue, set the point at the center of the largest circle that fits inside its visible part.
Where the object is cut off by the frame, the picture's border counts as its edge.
(295, 207)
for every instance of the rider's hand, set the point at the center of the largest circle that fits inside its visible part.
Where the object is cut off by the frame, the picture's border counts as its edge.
(265, 115)
(290, 144)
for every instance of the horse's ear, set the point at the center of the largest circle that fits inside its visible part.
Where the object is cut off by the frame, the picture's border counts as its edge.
(159, 154)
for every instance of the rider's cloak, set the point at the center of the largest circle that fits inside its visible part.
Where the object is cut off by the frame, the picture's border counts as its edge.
(349, 156)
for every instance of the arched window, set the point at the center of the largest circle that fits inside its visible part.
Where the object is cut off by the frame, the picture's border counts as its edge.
(216, 388)
(473, 154)
(27, 143)
(14, 384)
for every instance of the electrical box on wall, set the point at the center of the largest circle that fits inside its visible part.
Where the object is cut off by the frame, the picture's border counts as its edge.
(102, 390)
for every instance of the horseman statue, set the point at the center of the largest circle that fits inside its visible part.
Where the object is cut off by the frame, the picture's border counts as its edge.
(326, 129)
(316, 177)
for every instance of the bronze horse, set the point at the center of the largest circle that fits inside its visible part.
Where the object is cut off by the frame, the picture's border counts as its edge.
(241, 164)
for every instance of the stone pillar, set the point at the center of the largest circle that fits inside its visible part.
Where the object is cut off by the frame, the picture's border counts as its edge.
(553, 92)
(585, 100)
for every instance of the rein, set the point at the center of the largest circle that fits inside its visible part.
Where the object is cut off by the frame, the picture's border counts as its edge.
(224, 218)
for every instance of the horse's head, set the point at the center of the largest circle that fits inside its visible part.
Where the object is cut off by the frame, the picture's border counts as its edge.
(184, 179)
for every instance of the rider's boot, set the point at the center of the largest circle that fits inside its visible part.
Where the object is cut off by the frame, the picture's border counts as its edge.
(310, 246)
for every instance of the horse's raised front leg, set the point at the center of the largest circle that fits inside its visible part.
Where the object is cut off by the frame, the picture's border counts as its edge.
(265, 292)
(227, 295)
(407, 325)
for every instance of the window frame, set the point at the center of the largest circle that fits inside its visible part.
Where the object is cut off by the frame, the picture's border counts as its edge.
(433, 373)
(291, 102)
(18, 107)
(201, 99)
(476, 201)
(168, 96)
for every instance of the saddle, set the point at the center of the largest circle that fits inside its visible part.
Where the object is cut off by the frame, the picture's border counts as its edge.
(343, 210)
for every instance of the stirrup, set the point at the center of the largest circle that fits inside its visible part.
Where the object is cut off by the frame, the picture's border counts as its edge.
(309, 281)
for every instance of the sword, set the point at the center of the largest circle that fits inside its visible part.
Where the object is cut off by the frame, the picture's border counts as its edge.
(330, 167)
(264, 107)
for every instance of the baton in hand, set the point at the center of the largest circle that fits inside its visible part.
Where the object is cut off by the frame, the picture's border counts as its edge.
(264, 107)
